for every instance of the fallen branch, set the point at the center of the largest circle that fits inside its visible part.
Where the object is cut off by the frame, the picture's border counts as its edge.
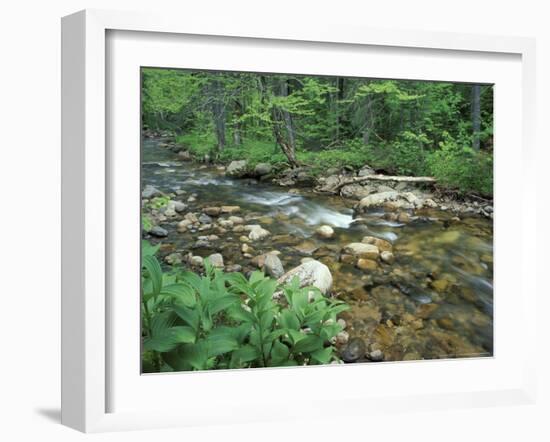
(378, 177)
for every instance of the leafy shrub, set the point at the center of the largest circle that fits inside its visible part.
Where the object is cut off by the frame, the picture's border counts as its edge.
(407, 153)
(462, 167)
(223, 320)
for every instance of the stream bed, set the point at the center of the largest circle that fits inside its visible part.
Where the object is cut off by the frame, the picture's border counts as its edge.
(435, 300)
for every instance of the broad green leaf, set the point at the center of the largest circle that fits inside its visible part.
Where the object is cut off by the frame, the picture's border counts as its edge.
(322, 356)
(288, 319)
(219, 304)
(182, 334)
(279, 352)
(309, 344)
(188, 315)
(154, 271)
(180, 292)
(147, 249)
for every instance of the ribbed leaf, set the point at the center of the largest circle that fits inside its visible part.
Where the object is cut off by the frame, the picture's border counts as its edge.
(151, 264)
(308, 344)
(180, 292)
(190, 316)
(289, 320)
(322, 356)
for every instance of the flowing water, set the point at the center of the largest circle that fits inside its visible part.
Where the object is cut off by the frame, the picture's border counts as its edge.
(434, 301)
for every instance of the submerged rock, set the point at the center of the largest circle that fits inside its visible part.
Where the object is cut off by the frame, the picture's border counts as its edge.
(382, 244)
(258, 233)
(325, 231)
(355, 350)
(159, 232)
(362, 250)
(367, 264)
(387, 256)
(311, 273)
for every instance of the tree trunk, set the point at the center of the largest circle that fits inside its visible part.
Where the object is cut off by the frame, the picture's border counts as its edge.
(368, 120)
(218, 112)
(282, 120)
(237, 139)
(476, 115)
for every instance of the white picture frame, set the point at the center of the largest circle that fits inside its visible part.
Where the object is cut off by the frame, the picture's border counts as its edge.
(87, 230)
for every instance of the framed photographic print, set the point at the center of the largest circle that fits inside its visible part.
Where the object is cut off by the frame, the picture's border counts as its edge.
(252, 216)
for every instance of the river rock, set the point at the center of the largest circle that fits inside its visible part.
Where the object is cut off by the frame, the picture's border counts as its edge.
(311, 273)
(367, 264)
(306, 247)
(183, 225)
(325, 231)
(184, 155)
(378, 199)
(196, 261)
(173, 259)
(365, 171)
(387, 257)
(428, 202)
(342, 338)
(191, 217)
(355, 350)
(262, 169)
(376, 355)
(205, 219)
(356, 191)
(229, 210)
(258, 233)
(216, 259)
(237, 169)
(212, 211)
(159, 232)
(236, 219)
(403, 217)
(273, 266)
(362, 250)
(226, 223)
(150, 192)
(382, 244)
(178, 206)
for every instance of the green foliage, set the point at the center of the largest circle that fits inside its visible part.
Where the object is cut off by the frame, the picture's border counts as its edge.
(398, 126)
(159, 202)
(146, 223)
(224, 320)
(462, 168)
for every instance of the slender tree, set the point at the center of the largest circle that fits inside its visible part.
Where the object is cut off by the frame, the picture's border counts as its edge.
(476, 115)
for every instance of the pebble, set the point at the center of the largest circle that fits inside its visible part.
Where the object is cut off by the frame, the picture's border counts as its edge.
(376, 356)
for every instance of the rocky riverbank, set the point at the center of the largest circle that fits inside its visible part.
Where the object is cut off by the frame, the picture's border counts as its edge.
(415, 268)
(398, 195)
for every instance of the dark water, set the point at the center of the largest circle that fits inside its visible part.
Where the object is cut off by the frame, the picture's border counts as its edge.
(434, 301)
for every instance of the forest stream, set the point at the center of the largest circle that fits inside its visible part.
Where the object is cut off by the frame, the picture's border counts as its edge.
(435, 300)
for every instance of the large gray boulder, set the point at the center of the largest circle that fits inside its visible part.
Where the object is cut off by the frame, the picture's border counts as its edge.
(237, 169)
(262, 169)
(310, 273)
(356, 191)
(378, 199)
